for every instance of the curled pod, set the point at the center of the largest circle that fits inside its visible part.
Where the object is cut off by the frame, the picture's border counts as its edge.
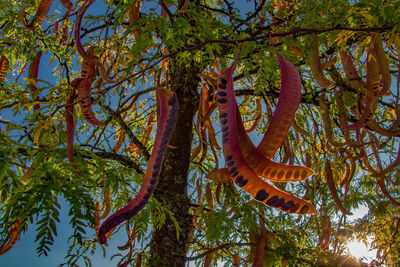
(40, 15)
(258, 159)
(332, 188)
(168, 103)
(276, 132)
(315, 66)
(85, 102)
(283, 116)
(239, 170)
(4, 65)
(87, 56)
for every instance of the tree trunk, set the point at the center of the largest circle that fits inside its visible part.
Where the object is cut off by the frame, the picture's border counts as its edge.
(166, 248)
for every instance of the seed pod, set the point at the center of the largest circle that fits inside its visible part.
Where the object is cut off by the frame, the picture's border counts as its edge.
(165, 125)
(258, 159)
(86, 56)
(383, 63)
(12, 238)
(324, 239)
(40, 15)
(350, 71)
(288, 103)
(134, 15)
(238, 168)
(371, 92)
(315, 66)
(85, 102)
(219, 175)
(4, 65)
(276, 132)
(332, 188)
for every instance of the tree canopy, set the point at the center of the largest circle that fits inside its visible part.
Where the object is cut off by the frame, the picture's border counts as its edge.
(111, 103)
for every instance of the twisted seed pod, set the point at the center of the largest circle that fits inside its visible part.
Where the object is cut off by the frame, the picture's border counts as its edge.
(4, 65)
(87, 56)
(258, 159)
(381, 182)
(169, 105)
(332, 188)
(238, 169)
(276, 132)
(204, 116)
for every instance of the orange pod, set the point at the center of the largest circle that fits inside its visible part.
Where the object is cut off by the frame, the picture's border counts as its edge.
(4, 65)
(315, 66)
(238, 168)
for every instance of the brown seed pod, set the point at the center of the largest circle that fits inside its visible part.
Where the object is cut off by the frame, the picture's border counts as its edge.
(332, 188)
(40, 15)
(4, 65)
(168, 103)
(315, 66)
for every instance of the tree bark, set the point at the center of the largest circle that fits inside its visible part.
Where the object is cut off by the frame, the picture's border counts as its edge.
(166, 248)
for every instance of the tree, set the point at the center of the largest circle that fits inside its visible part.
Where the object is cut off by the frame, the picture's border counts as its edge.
(117, 58)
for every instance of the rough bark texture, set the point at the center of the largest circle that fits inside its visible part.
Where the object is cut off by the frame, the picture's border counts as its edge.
(166, 248)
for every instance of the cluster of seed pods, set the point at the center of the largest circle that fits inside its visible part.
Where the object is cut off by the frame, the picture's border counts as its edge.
(245, 171)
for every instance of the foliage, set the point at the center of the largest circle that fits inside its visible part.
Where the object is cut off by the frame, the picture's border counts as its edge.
(141, 51)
